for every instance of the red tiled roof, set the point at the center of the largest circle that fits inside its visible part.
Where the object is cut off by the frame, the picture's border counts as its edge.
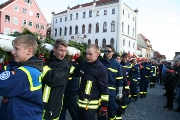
(6, 3)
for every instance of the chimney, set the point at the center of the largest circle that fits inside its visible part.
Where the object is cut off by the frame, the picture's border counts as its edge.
(136, 11)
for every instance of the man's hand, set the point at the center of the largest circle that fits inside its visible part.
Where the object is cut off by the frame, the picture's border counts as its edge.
(102, 111)
(119, 93)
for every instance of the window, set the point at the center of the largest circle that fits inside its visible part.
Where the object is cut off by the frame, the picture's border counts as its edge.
(97, 27)
(16, 8)
(65, 30)
(123, 12)
(55, 32)
(104, 43)
(113, 11)
(128, 15)
(60, 19)
(129, 44)
(65, 18)
(133, 32)
(84, 14)
(15, 21)
(89, 42)
(112, 26)
(90, 13)
(134, 45)
(83, 29)
(105, 27)
(124, 42)
(24, 11)
(37, 15)
(28, 1)
(89, 28)
(70, 30)
(23, 22)
(96, 41)
(7, 18)
(112, 42)
(128, 29)
(60, 31)
(37, 26)
(30, 13)
(105, 12)
(30, 24)
(122, 26)
(76, 29)
(76, 15)
(70, 16)
(42, 27)
(6, 31)
(55, 20)
(97, 13)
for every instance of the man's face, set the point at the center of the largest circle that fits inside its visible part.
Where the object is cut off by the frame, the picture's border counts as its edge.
(20, 53)
(118, 59)
(60, 52)
(125, 59)
(108, 52)
(91, 55)
(134, 62)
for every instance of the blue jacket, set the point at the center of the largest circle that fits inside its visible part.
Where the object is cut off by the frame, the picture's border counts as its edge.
(114, 72)
(135, 74)
(21, 85)
(146, 72)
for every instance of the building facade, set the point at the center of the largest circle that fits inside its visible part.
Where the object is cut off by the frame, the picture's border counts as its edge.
(100, 22)
(17, 14)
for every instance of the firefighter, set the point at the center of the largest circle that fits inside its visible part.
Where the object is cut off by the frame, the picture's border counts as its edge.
(54, 79)
(146, 73)
(135, 77)
(155, 71)
(115, 83)
(93, 91)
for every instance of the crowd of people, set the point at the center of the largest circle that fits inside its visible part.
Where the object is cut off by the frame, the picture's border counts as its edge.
(36, 89)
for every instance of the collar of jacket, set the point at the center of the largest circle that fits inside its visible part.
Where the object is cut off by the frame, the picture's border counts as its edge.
(96, 61)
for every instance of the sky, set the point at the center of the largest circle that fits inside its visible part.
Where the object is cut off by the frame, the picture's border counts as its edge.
(158, 20)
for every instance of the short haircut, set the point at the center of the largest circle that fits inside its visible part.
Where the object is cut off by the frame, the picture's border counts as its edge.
(96, 47)
(26, 41)
(124, 55)
(60, 42)
(110, 46)
(118, 55)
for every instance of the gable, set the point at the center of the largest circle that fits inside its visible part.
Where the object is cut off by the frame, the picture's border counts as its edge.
(141, 42)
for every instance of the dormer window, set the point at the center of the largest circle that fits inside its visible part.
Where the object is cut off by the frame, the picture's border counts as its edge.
(28, 1)
(37, 15)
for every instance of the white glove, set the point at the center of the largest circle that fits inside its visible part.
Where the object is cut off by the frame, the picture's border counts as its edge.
(119, 93)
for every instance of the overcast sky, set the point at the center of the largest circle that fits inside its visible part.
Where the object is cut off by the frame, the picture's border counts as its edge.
(158, 20)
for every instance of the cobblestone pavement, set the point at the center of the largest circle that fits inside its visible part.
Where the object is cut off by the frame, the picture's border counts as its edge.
(149, 108)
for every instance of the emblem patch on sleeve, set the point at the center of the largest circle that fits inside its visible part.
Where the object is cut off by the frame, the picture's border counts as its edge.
(5, 75)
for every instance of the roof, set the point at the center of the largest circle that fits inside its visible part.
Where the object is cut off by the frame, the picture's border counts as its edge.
(6, 3)
(158, 55)
(138, 48)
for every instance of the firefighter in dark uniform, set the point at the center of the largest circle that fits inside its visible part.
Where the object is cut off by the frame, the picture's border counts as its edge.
(93, 91)
(115, 83)
(71, 91)
(155, 71)
(146, 73)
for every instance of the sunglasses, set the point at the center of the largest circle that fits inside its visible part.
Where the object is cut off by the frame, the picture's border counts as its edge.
(107, 51)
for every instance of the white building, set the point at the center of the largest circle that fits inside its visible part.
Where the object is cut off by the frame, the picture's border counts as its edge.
(100, 22)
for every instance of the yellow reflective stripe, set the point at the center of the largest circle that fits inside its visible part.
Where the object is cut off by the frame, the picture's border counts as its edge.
(32, 88)
(127, 76)
(119, 118)
(119, 78)
(112, 70)
(5, 68)
(124, 106)
(70, 78)
(111, 88)
(126, 87)
(145, 92)
(148, 68)
(46, 93)
(43, 114)
(140, 92)
(88, 87)
(72, 69)
(135, 80)
(61, 106)
(129, 96)
(114, 118)
(126, 66)
(85, 101)
(105, 97)
(45, 70)
(89, 106)
(147, 76)
(56, 118)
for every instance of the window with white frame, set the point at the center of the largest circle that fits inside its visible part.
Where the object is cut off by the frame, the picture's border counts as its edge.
(30, 24)
(112, 26)
(123, 12)
(112, 41)
(16, 8)
(134, 45)
(76, 15)
(105, 27)
(84, 14)
(105, 12)
(42, 27)
(37, 26)
(90, 13)
(128, 29)
(55, 20)
(83, 29)
(23, 22)
(104, 43)
(122, 26)
(6, 31)
(70, 16)
(97, 13)
(37, 15)
(24, 11)
(128, 15)
(89, 28)
(60, 19)
(30, 13)
(15, 20)
(7, 18)
(124, 42)
(133, 32)
(28, 1)
(65, 18)
(55, 32)
(113, 11)
(65, 30)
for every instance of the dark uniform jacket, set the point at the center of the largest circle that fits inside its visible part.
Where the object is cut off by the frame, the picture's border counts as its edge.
(93, 89)
(54, 82)
(135, 74)
(177, 75)
(146, 72)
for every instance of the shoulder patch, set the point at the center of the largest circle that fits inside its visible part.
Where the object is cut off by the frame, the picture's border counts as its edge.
(4, 75)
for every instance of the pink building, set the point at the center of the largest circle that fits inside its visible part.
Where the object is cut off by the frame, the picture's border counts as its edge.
(16, 14)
